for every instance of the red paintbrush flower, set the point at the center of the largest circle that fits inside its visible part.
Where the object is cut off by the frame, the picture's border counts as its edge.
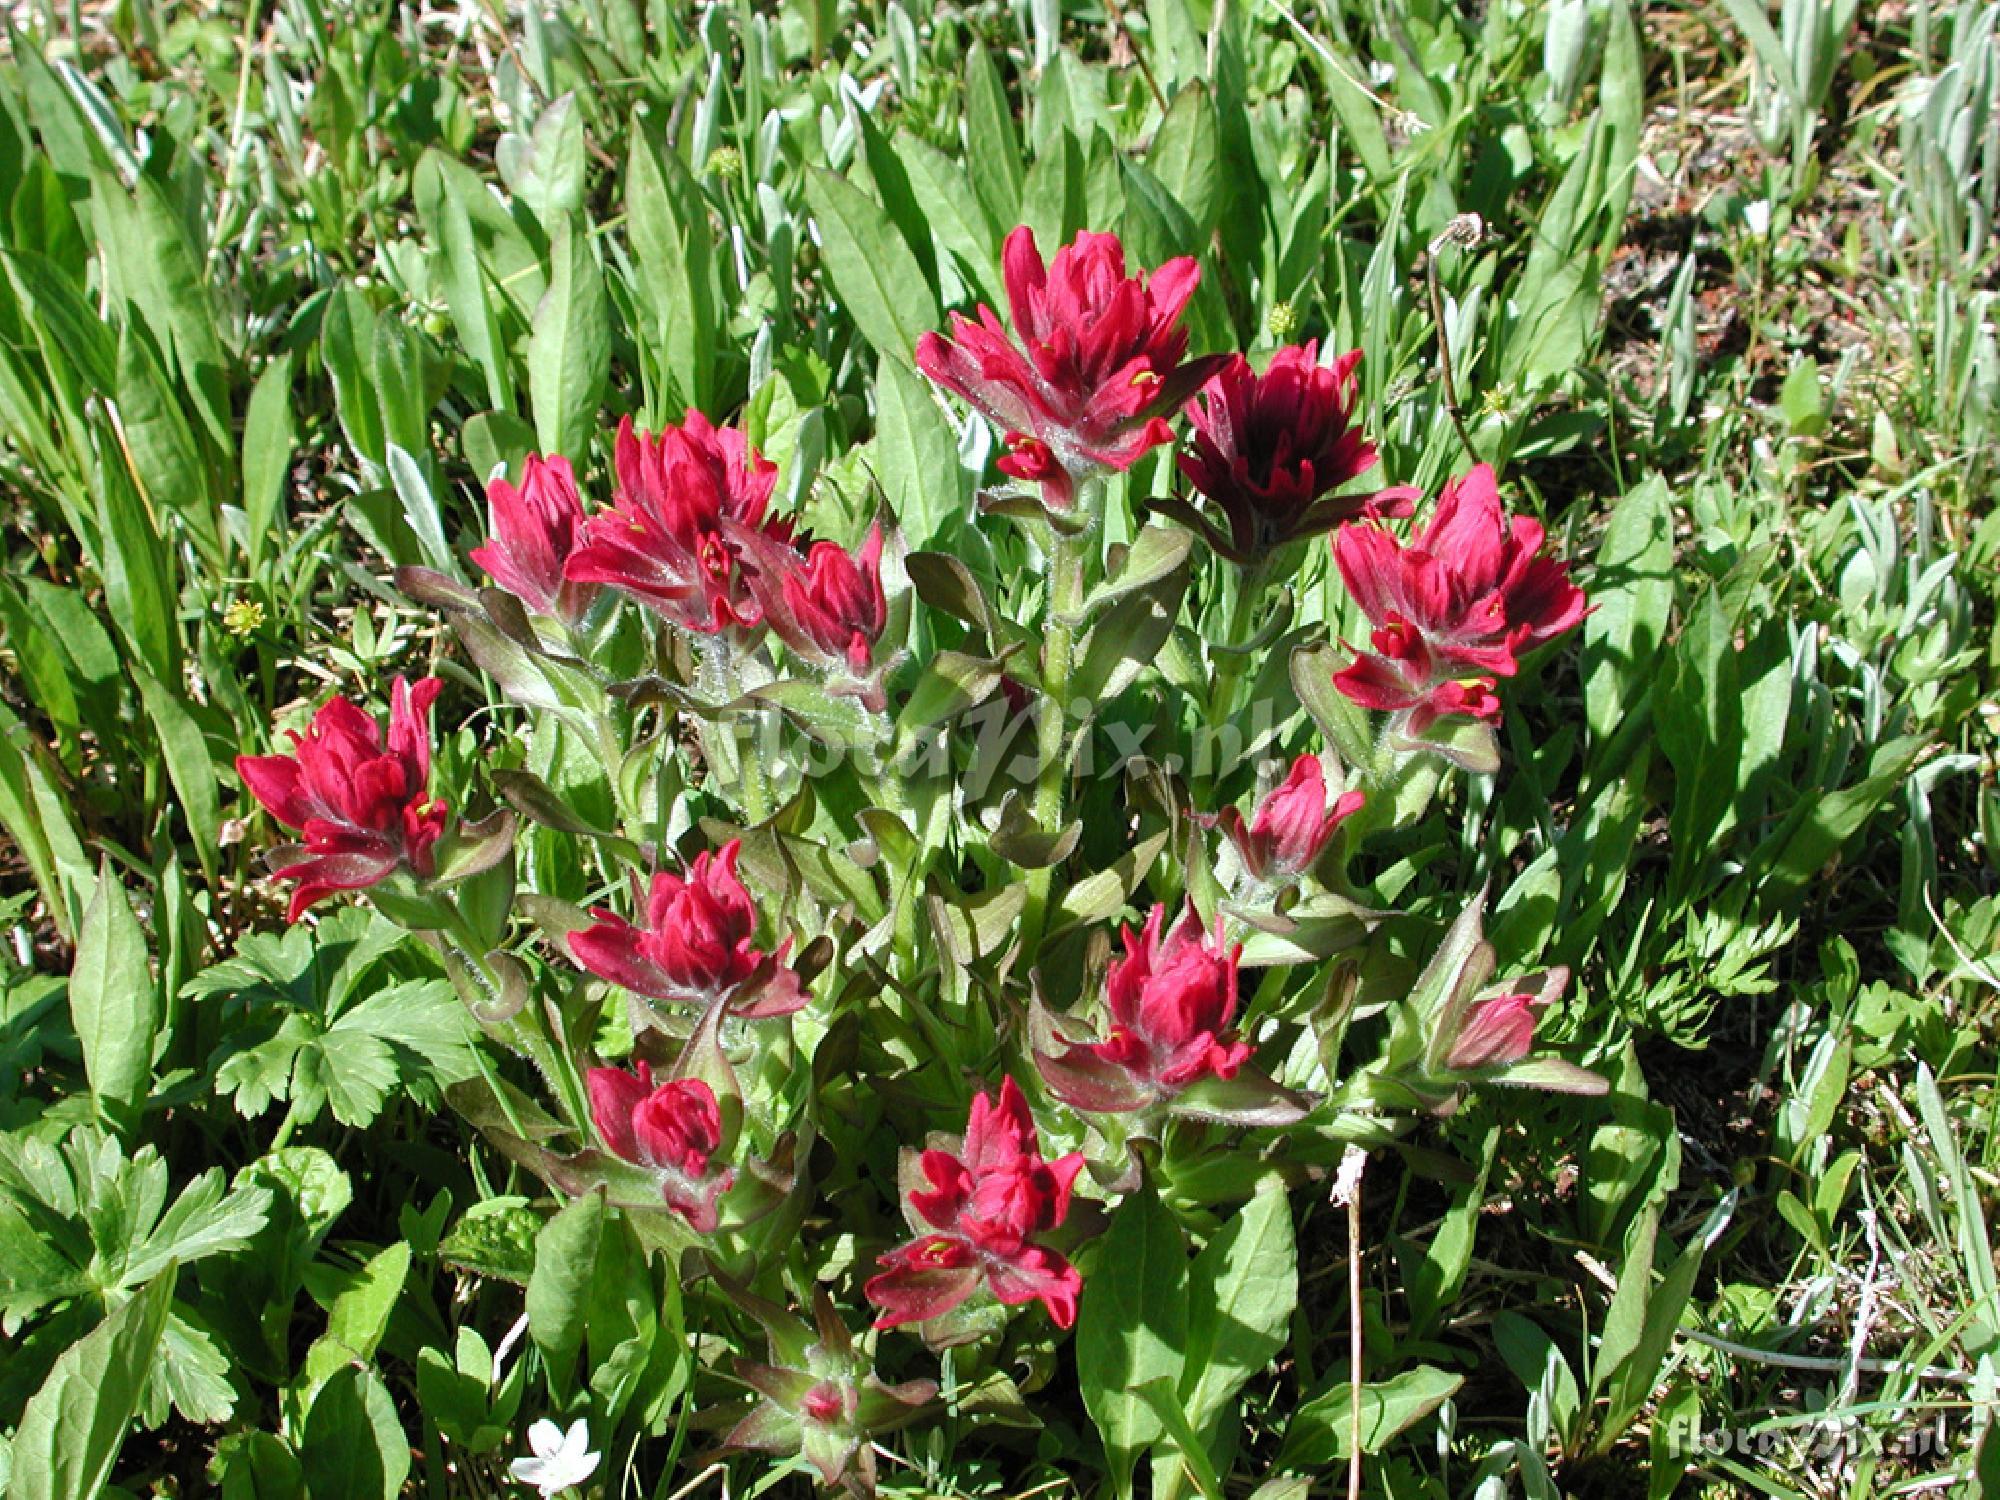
(978, 1220)
(364, 807)
(666, 540)
(1454, 606)
(535, 530)
(1269, 450)
(1292, 824)
(1091, 369)
(673, 1130)
(698, 946)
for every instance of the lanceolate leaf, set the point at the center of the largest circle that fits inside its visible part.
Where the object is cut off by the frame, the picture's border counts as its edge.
(1132, 1326)
(72, 1428)
(569, 353)
(874, 270)
(113, 1001)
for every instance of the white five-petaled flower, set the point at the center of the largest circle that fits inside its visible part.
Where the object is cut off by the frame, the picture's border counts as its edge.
(562, 1460)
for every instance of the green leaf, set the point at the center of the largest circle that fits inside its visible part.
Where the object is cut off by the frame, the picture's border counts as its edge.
(114, 1004)
(1554, 1074)
(495, 1238)
(455, 257)
(191, 1376)
(1154, 554)
(1241, 1292)
(1160, 1396)
(347, 342)
(874, 272)
(138, 569)
(1186, 157)
(165, 458)
(1128, 637)
(1321, 1430)
(1344, 723)
(73, 1426)
(1698, 714)
(916, 457)
(352, 1069)
(1132, 1327)
(951, 682)
(559, 1290)
(1633, 1379)
(258, 1466)
(420, 510)
(270, 435)
(667, 224)
(953, 211)
(189, 768)
(1632, 589)
(993, 145)
(1099, 897)
(359, 1315)
(1789, 860)
(33, 1273)
(569, 352)
(355, 1447)
(202, 1222)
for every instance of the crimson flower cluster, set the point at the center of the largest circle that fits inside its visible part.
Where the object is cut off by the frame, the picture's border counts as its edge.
(364, 807)
(1453, 607)
(1089, 373)
(1083, 383)
(691, 536)
(1082, 380)
(979, 1220)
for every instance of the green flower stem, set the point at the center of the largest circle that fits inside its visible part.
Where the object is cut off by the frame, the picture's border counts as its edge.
(1068, 558)
(1229, 664)
(756, 786)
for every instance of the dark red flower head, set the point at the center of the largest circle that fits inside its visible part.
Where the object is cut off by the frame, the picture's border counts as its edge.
(666, 540)
(673, 1130)
(827, 606)
(1172, 1000)
(698, 946)
(364, 808)
(981, 1213)
(1292, 824)
(1269, 450)
(1091, 369)
(1454, 606)
(535, 529)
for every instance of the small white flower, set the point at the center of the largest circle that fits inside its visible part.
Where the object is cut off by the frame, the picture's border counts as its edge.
(1757, 217)
(562, 1460)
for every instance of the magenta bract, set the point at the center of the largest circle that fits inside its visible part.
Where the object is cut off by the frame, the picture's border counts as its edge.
(535, 530)
(698, 946)
(364, 807)
(665, 540)
(986, 1204)
(1091, 368)
(674, 1130)
(1269, 451)
(1454, 606)
(1292, 825)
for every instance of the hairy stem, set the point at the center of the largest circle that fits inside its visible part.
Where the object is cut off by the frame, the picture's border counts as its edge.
(1068, 558)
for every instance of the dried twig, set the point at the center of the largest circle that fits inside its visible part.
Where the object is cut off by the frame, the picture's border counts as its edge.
(1465, 231)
